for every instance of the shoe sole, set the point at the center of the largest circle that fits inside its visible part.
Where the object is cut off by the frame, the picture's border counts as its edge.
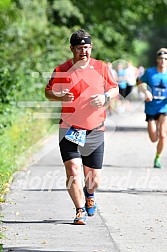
(79, 222)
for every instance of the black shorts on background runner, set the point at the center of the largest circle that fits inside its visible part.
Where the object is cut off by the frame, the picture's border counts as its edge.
(154, 117)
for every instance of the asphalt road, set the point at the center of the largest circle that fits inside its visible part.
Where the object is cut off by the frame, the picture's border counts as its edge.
(38, 213)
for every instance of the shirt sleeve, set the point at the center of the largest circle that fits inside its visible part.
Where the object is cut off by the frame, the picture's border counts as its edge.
(51, 81)
(57, 80)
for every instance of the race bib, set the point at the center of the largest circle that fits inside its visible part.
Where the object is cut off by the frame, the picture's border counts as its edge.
(77, 136)
(160, 93)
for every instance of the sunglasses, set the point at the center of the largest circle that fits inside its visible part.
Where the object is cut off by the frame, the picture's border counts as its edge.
(80, 49)
(161, 53)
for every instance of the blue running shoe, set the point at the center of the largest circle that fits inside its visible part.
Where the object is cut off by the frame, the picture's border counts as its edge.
(80, 218)
(90, 204)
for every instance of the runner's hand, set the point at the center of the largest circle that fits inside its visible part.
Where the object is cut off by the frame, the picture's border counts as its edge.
(65, 95)
(97, 100)
(148, 96)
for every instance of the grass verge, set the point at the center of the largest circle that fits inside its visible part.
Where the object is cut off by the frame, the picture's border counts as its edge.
(24, 132)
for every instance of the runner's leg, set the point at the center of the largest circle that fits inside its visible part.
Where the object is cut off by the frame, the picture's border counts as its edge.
(162, 121)
(153, 130)
(74, 183)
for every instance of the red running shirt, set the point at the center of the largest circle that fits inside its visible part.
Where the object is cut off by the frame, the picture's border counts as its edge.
(83, 83)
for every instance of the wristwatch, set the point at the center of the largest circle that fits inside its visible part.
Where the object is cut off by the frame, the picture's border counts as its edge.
(107, 98)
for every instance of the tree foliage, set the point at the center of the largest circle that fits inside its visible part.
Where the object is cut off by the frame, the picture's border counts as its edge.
(35, 37)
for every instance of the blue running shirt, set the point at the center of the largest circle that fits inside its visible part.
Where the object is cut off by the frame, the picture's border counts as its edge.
(158, 83)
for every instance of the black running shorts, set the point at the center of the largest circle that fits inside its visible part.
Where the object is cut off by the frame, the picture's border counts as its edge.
(154, 117)
(92, 152)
